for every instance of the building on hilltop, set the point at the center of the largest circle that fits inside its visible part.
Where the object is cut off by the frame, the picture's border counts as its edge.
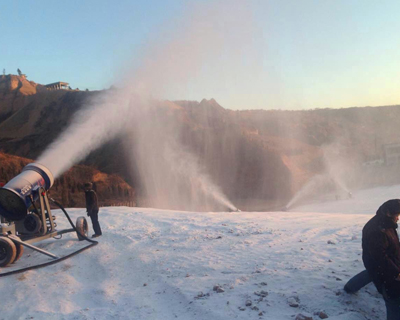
(58, 86)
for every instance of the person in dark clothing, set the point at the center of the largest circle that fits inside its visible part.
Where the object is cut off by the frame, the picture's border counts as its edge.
(92, 209)
(381, 255)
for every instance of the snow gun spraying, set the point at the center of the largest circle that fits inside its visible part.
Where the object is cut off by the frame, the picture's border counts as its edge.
(26, 217)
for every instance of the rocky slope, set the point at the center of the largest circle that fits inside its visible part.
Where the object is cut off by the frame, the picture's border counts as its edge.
(255, 156)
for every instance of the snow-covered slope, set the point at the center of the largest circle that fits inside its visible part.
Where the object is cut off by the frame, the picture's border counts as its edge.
(159, 264)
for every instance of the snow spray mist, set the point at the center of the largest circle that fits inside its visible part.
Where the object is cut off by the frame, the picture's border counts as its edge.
(215, 36)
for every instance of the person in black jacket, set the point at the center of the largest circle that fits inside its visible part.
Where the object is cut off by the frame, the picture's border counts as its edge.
(92, 209)
(381, 255)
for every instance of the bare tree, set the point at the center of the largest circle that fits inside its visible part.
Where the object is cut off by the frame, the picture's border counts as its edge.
(19, 72)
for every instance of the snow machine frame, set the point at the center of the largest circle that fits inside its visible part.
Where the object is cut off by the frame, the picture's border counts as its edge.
(23, 222)
(38, 225)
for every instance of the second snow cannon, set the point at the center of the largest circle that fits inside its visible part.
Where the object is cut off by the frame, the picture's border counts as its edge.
(25, 214)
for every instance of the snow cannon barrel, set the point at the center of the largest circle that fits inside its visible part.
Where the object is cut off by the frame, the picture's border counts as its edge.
(21, 191)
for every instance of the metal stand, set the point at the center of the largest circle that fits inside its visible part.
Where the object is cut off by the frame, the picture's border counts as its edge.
(18, 234)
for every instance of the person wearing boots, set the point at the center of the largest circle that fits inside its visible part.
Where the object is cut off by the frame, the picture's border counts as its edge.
(381, 255)
(92, 208)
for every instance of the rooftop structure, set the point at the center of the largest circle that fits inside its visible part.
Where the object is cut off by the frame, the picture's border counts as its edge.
(57, 86)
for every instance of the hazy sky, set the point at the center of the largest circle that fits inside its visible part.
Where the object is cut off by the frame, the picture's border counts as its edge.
(292, 54)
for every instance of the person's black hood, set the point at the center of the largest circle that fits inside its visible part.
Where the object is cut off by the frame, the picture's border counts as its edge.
(391, 206)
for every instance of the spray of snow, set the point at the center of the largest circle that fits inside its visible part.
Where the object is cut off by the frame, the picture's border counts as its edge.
(208, 40)
(333, 180)
(99, 122)
(336, 166)
(312, 187)
(184, 164)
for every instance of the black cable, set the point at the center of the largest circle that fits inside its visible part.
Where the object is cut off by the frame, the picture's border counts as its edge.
(70, 221)
(34, 205)
(93, 243)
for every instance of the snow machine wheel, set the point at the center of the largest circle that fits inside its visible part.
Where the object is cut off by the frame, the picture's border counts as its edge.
(8, 251)
(20, 251)
(82, 227)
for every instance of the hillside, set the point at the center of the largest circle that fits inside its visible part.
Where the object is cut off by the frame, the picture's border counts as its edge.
(18, 86)
(259, 158)
(68, 188)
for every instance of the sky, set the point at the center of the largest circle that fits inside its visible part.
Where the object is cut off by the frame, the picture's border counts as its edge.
(286, 54)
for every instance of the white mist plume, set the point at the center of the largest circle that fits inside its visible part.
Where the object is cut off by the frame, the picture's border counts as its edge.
(336, 166)
(332, 180)
(212, 45)
(170, 175)
(313, 187)
(211, 39)
(101, 121)
(185, 165)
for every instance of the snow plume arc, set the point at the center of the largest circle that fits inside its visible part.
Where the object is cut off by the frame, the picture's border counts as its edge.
(170, 174)
(210, 39)
(337, 166)
(90, 128)
(331, 181)
(186, 166)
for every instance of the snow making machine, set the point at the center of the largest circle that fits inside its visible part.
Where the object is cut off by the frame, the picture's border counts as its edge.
(26, 217)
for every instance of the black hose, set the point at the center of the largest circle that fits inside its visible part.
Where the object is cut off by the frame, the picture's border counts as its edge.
(71, 223)
(93, 243)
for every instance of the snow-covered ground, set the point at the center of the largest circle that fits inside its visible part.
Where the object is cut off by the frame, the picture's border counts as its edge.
(160, 264)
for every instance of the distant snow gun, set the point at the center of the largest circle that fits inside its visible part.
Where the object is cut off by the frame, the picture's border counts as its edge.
(26, 217)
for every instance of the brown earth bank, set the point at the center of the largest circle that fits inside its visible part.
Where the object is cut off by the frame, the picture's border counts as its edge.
(258, 157)
(68, 188)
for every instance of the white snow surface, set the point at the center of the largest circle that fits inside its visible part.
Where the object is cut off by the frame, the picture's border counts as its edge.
(164, 264)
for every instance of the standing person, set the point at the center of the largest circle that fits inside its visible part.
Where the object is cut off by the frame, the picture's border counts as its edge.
(92, 208)
(381, 255)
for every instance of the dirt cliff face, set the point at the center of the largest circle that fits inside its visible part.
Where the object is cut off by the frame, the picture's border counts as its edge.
(29, 123)
(18, 85)
(15, 93)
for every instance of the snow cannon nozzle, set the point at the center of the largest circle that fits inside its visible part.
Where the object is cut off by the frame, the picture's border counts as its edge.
(23, 190)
